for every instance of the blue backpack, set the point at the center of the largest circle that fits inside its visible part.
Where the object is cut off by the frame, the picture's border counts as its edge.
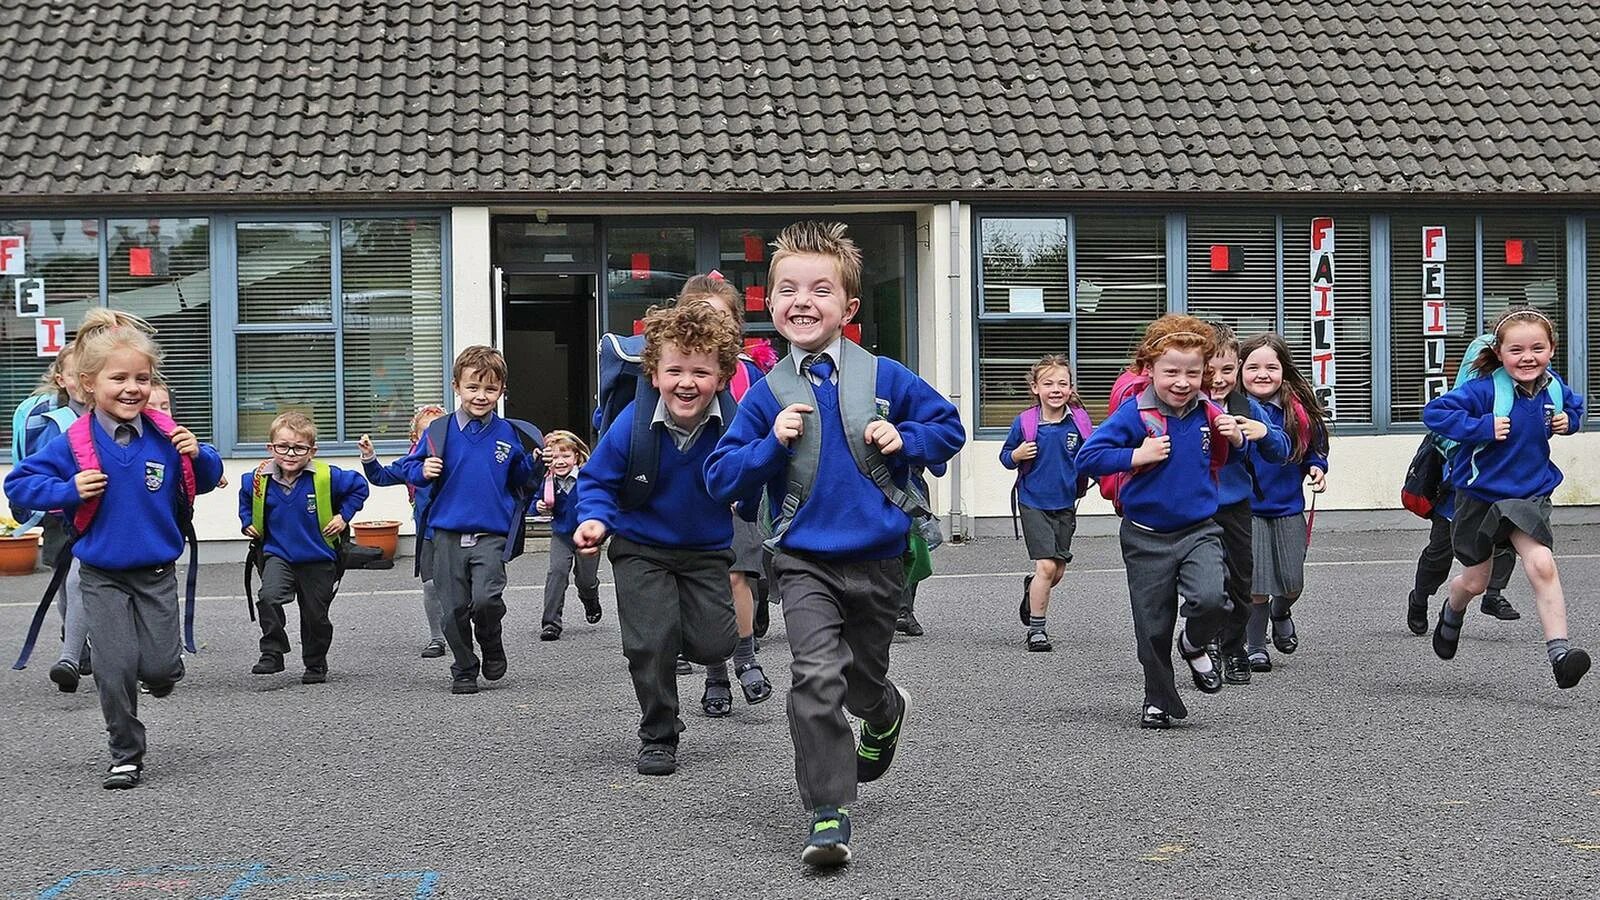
(28, 422)
(532, 441)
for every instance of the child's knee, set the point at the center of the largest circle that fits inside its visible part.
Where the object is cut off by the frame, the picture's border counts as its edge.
(1474, 579)
(1047, 568)
(1540, 565)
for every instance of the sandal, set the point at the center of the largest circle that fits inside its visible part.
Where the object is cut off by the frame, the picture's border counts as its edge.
(1283, 637)
(754, 683)
(717, 701)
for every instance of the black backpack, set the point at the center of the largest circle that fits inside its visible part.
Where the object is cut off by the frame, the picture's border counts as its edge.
(1424, 479)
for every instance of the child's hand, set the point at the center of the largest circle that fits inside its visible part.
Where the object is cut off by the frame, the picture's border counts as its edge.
(1250, 428)
(1502, 427)
(1153, 450)
(222, 481)
(250, 531)
(364, 444)
(589, 536)
(1025, 451)
(336, 525)
(1227, 428)
(185, 441)
(90, 483)
(546, 455)
(432, 467)
(1560, 422)
(541, 508)
(790, 424)
(1318, 479)
(883, 435)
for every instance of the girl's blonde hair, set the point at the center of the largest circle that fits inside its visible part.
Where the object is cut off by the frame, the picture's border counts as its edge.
(103, 332)
(1488, 358)
(1053, 361)
(571, 442)
(713, 287)
(423, 416)
(47, 381)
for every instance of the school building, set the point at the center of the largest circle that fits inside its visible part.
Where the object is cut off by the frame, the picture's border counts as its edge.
(319, 203)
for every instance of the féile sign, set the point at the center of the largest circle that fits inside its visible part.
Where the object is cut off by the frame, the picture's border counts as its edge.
(1324, 372)
(1435, 313)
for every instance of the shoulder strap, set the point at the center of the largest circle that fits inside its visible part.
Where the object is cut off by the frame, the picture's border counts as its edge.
(740, 383)
(1219, 444)
(1553, 390)
(434, 439)
(644, 449)
(167, 426)
(788, 388)
(1154, 421)
(258, 500)
(1504, 393)
(63, 416)
(1030, 432)
(1080, 418)
(19, 426)
(858, 408)
(80, 437)
(322, 488)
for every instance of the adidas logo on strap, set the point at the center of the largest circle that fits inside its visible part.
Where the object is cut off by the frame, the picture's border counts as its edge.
(642, 478)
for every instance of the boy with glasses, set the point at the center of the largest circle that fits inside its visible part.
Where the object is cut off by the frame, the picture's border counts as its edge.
(299, 519)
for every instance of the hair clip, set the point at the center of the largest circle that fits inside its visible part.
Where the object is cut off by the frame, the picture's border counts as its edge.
(715, 275)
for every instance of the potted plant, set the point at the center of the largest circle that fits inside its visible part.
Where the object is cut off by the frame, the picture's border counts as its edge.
(383, 534)
(19, 549)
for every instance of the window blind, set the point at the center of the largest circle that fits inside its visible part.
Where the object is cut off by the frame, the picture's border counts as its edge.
(391, 289)
(1540, 282)
(1121, 288)
(1352, 306)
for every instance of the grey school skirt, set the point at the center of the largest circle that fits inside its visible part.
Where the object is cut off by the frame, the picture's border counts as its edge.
(1480, 526)
(1278, 554)
(748, 554)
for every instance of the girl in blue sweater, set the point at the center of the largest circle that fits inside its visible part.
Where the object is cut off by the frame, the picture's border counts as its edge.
(123, 474)
(385, 476)
(1503, 477)
(1279, 534)
(565, 453)
(1047, 487)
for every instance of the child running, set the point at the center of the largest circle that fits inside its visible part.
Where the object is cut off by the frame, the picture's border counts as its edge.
(564, 455)
(296, 509)
(1236, 487)
(1279, 534)
(1503, 477)
(671, 547)
(127, 476)
(1171, 544)
(1043, 447)
(809, 434)
(386, 476)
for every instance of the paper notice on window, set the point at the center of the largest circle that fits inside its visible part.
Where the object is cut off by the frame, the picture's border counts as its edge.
(1025, 300)
(1089, 296)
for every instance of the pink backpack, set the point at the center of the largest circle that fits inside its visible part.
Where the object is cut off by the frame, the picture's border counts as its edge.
(1131, 385)
(1030, 432)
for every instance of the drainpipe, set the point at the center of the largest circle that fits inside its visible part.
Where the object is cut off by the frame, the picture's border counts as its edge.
(958, 528)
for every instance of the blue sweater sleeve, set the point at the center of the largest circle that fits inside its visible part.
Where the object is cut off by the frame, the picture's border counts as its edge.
(1110, 448)
(349, 492)
(1013, 441)
(1274, 448)
(1574, 408)
(600, 479)
(44, 480)
(247, 486)
(207, 469)
(409, 467)
(382, 475)
(747, 457)
(1463, 415)
(929, 425)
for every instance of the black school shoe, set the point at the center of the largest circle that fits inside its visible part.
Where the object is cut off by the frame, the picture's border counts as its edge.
(268, 664)
(551, 632)
(159, 689)
(464, 685)
(434, 650)
(657, 760)
(1260, 661)
(314, 676)
(1570, 668)
(123, 777)
(1443, 647)
(682, 667)
(1235, 669)
(1499, 607)
(906, 623)
(591, 611)
(876, 751)
(1284, 636)
(1417, 614)
(1208, 682)
(1155, 717)
(66, 676)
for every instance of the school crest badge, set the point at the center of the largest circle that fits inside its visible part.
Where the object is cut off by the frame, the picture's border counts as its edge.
(502, 451)
(883, 408)
(1205, 440)
(311, 504)
(155, 475)
(1073, 440)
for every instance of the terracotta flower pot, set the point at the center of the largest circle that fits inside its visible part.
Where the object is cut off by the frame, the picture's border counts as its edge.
(19, 554)
(381, 533)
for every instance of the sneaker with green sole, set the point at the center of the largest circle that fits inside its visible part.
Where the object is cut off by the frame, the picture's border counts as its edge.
(828, 844)
(876, 751)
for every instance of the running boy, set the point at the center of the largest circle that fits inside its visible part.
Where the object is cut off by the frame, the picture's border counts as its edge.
(475, 476)
(299, 517)
(671, 551)
(822, 419)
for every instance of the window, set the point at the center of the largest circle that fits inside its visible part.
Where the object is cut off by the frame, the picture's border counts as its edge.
(1352, 302)
(645, 267)
(1237, 284)
(1025, 310)
(520, 243)
(1454, 270)
(1525, 264)
(65, 255)
(1592, 246)
(1121, 287)
(341, 319)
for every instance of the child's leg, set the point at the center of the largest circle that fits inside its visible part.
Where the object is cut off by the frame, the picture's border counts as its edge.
(562, 552)
(77, 623)
(647, 611)
(1202, 577)
(1153, 589)
(1290, 552)
(586, 575)
(488, 604)
(1235, 523)
(824, 747)
(432, 611)
(1540, 565)
(1433, 566)
(744, 604)
(155, 607)
(276, 593)
(1505, 562)
(1046, 574)
(316, 585)
(452, 582)
(870, 607)
(112, 628)
(708, 620)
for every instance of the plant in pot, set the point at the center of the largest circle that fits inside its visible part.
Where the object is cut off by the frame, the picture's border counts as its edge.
(19, 547)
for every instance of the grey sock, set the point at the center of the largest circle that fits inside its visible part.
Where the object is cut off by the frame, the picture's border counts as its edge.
(1557, 648)
(717, 673)
(1255, 631)
(1280, 606)
(745, 651)
(1035, 623)
(1449, 626)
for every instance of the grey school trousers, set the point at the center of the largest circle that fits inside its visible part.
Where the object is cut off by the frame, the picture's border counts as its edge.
(133, 622)
(669, 601)
(565, 561)
(311, 584)
(1164, 570)
(470, 583)
(840, 620)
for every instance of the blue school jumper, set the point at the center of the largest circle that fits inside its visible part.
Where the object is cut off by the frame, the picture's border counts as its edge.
(389, 476)
(1518, 467)
(482, 464)
(679, 512)
(1234, 484)
(564, 518)
(137, 525)
(1282, 483)
(1172, 495)
(293, 534)
(847, 517)
(1051, 483)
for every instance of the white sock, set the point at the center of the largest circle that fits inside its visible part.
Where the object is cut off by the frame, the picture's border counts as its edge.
(1203, 663)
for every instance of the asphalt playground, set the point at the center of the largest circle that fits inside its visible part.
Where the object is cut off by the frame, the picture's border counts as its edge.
(1361, 767)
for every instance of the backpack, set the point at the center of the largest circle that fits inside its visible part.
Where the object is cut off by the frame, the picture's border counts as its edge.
(27, 427)
(1504, 392)
(1424, 479)
(1030, 433)
(80, 436)
(644, 448)
(858, 407)
(1133, 385)
(256, 558)
(621, 377)
(517, 537)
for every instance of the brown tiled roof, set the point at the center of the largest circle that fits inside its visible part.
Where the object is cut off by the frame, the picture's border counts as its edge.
(434, 100)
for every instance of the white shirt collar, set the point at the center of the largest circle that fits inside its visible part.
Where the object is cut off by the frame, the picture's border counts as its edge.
(798, 356)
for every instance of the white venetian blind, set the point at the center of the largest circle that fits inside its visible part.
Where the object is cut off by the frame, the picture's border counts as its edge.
(1247, 299)
(286, 340)
(1540, 284)
(391, 286)
(1121, 288)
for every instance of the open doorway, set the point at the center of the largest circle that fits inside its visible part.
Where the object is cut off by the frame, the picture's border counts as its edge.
(549, 335)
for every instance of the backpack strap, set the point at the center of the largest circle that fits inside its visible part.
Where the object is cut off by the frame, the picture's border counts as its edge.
(58, 578)
(740, 383)
(1219, 444)
(189, 490)
(80, 437)
(517, 537)
(1080, 419)
(322, 489)
(1029, 421)
(644, 450)
(434, 438)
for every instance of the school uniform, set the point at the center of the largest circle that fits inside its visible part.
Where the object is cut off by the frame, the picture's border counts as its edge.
(1433, 565)
(127, 559)
(670, 557)
(471, 514)
(1171, 543)
(387, 476)
(565, 560)
(1047, 496)
(298, 565)
(838, 566)
(1501, 486)
(1278, 526)
(1236, 488)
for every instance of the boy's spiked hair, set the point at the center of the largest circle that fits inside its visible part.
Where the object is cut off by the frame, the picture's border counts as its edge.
(695, 328)
(295, 422)
(479, 358)
(820, 239)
